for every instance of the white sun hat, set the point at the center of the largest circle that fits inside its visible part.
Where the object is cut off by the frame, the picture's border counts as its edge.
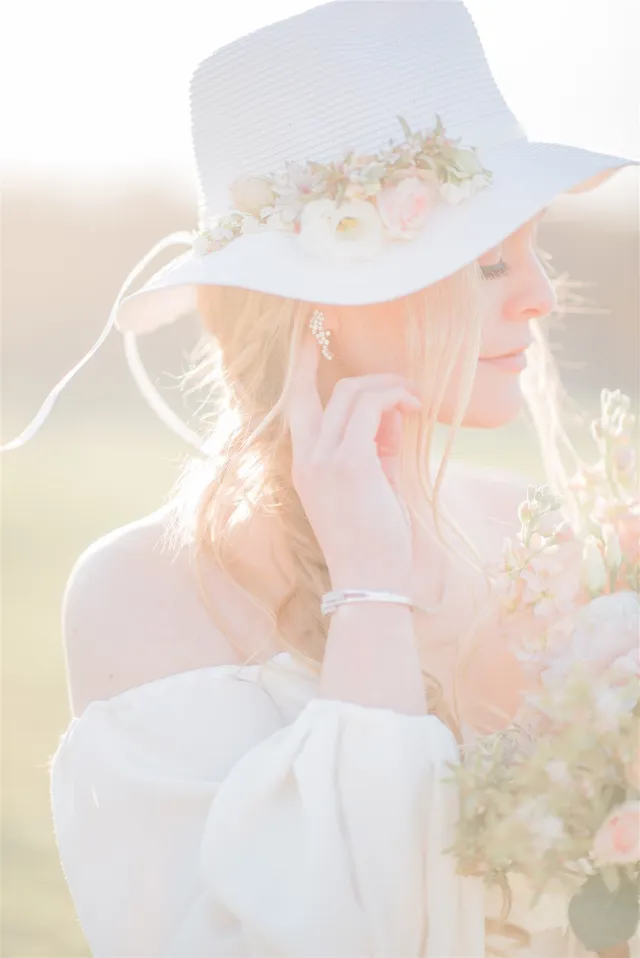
(351, 154)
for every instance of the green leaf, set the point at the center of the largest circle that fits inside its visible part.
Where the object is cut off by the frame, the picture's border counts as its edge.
(406, 129)
(602, 919)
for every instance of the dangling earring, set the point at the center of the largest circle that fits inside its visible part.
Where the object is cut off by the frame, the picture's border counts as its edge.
(316, 325)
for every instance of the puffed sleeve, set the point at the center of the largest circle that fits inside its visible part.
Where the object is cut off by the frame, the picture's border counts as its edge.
(228, 832)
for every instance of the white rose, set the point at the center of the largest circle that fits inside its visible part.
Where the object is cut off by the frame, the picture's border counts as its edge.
(480, 181)
(202, 245)
(219, 233)
(274, 221)
(349, 233)
(606, 629)
(250, 225)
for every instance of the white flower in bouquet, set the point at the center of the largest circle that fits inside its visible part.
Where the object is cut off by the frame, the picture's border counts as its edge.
(344, 233)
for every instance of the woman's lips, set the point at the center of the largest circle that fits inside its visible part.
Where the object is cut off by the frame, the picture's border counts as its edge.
(513, 363)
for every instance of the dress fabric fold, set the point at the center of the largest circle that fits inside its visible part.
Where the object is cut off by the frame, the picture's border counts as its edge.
(234, 814)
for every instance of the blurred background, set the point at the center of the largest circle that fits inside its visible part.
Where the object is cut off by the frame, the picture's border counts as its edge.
(96, 167)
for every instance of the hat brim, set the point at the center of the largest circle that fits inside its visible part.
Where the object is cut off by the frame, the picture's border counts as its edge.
(527, 176)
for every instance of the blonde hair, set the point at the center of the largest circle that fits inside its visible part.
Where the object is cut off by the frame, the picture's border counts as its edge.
(245, 362)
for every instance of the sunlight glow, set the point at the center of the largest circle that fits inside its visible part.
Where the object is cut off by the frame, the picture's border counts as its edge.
(101, 90)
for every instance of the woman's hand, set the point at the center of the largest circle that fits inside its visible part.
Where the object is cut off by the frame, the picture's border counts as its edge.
(344, 459)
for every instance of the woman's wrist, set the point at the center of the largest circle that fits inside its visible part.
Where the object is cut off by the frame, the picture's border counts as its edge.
(371, 658)
(384, 577)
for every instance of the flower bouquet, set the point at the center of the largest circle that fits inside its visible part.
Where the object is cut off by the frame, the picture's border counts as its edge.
(555, 797)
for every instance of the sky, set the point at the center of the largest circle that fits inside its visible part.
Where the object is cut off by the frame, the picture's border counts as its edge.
(96, 91)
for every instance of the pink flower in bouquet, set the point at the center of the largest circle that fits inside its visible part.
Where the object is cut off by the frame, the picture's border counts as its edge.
(625, 519)
(625, 459)
(618, 839)
(594, 570)
(404, 209)
(629, 533)
(551, 581)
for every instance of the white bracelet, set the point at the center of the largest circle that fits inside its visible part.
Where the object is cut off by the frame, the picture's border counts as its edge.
(331, 600)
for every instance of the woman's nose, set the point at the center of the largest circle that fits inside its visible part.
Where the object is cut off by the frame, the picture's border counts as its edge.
(533, 297)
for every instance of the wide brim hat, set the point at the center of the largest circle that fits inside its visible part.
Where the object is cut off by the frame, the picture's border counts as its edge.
(337, 78)
(349, 155)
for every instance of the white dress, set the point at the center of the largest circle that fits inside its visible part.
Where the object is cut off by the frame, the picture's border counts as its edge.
(228, 811)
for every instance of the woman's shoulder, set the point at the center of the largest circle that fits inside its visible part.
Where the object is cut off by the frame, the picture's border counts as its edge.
(131, 614)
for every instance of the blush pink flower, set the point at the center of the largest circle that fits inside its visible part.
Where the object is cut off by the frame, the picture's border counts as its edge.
(551, 584)
(594, 570)
(618, 839)
(507, 591)
(625, 519)
(405, 208)
(625, 458)
(628, 527)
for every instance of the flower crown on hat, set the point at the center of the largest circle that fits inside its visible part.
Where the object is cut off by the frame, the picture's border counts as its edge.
(345, 211)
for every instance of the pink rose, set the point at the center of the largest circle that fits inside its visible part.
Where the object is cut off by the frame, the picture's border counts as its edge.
(404, 209)
(618, 839)
(625, 519)
(625, 458)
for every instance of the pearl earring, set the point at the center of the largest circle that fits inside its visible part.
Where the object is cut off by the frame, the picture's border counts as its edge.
(316, 325)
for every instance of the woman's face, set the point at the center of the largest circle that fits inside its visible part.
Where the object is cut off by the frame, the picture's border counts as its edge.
(515, 291)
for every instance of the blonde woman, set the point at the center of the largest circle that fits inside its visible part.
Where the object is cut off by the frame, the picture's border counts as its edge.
(270, 675)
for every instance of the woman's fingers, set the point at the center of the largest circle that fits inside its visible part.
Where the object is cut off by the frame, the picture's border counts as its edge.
(362, 419)
(342, 402)
(367, 420)
(343, 456)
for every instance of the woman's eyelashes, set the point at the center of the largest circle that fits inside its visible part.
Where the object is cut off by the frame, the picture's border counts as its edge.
(497, 266)
(493, 272)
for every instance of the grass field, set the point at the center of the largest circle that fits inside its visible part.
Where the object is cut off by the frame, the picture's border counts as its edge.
(68, 486)
(78, 479)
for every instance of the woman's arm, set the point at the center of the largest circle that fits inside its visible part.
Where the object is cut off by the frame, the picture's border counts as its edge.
(371, 658)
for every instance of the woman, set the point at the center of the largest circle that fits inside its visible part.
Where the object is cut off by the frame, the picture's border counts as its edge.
(266, 779)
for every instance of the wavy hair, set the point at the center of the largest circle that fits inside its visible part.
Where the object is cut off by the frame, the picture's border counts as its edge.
(244, 362)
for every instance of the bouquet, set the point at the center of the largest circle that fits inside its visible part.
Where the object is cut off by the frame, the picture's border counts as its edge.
(555, 797)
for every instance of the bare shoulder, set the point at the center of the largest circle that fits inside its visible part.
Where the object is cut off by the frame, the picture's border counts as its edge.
(498, 492)
(131, 614)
